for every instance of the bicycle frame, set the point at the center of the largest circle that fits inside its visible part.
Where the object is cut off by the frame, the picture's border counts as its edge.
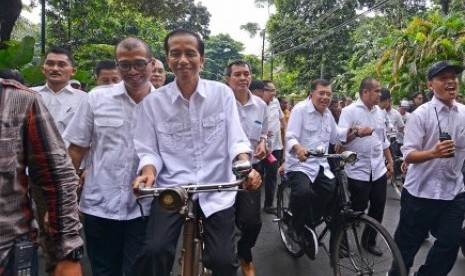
(179, 199)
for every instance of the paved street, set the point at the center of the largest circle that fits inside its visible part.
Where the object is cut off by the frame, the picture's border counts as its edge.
(271, 258)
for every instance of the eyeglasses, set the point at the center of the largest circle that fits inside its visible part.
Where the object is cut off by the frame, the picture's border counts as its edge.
(139, 65)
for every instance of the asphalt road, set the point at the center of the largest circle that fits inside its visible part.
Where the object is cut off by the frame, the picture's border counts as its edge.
(272, 259)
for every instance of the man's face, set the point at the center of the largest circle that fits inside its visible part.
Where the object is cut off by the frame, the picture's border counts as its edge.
(321, 97)
(284, 104)
(445, 85)
(258, 92)
(269, 92)
(371, 96)
(335, 109)
(108, 76)
(240, 78)
(184, 58)
(159, 75)
(58, 69)
(418, 100)
(385, 104)
(134, 66)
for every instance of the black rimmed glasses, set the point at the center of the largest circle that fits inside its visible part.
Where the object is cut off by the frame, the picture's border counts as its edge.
(139, 65)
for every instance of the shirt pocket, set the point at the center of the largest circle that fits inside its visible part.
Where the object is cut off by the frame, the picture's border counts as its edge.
(314, 136)
(110, 134)
(7, 156)
(172, 136)
(255, 132)
(213, 127)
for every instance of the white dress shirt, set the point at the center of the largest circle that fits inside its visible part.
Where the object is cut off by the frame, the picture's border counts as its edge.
(311, 129)
(105, 123)
(62, 104)
(254, 120)
(192, 141)
(369, 149)
(439, 178)
(397, 123)
(275, 114)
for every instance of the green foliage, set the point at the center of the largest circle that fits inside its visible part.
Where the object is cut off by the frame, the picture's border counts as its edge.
(219, 51)
(17, 54)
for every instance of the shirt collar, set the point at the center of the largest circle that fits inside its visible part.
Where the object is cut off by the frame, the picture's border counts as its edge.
(200, 90)
(311, 108)
(121, 90)
(361, 104)
(252, 99)
(67, 88)
(440, 105)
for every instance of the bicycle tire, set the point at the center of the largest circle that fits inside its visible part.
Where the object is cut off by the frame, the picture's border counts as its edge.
(348, 257)
(284, 219)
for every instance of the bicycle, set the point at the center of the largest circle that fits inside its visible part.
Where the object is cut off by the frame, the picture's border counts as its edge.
(345, 226)
(398, 177)
(180, 199)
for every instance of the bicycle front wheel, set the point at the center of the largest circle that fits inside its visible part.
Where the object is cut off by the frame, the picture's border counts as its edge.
(284, 220)
(349, 256)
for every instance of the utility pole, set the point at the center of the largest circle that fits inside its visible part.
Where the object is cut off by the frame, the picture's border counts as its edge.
(42, 29)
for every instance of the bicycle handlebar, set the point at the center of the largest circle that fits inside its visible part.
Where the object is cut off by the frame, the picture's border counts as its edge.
(191, 188)
(346, 156)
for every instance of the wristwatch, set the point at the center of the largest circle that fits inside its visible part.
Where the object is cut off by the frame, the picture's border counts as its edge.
(75, 255)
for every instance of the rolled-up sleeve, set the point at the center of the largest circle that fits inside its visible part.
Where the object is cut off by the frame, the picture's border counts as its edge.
(294, 128)
(53, 175)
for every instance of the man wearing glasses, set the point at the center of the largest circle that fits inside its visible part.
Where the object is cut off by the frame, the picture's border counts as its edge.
(113, 223)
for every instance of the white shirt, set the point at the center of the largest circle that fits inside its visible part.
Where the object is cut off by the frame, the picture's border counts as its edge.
(62, 104)
(311, 129)
(105, 123)
(369, 149)
(192, 141)
(254, 120)
(439, 178)
(275, 114)
(397, 123)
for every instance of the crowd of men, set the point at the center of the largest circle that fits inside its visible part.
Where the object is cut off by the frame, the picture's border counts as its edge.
(136, 128)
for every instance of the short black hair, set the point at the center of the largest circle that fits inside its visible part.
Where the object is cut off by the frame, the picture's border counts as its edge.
(132, 42)
(200, 44)
(366, 83)
(317, 82)
(266, 82)
(13, 75)
(228, 70)
(60, 51)
(104, 65)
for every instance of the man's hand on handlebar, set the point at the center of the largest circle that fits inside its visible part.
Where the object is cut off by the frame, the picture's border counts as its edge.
(147, 178)
(253, 180)
(300, 152)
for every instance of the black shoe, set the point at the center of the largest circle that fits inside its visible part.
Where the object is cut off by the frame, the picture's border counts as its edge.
(270, 210)
(373, 249)
(311, 243)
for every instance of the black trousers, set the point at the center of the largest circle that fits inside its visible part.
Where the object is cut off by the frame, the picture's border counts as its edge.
(372, 192)
(271, 177)
(163, 232)
(309, 200)
(443, 218)
(248, 218)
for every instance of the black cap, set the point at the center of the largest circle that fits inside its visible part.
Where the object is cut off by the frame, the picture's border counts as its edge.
(438, 67)
(385, 94)
(256, 84)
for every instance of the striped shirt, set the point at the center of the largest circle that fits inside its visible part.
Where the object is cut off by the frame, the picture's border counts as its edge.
(29, 138)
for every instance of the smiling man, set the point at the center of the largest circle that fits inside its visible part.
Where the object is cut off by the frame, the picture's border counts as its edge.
(433, 198)
(158, 75)
(311, 125)
(189, 131)
(103, 126)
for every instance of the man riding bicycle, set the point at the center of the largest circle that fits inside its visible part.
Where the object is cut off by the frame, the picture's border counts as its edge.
(311, 125)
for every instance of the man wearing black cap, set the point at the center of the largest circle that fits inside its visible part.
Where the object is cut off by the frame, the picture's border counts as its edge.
(433, 198)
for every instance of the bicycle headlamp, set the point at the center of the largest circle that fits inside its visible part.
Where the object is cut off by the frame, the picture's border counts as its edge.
(349, 157)
(172, 200)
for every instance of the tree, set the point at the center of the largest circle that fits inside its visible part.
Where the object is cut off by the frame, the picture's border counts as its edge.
(219, 51)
